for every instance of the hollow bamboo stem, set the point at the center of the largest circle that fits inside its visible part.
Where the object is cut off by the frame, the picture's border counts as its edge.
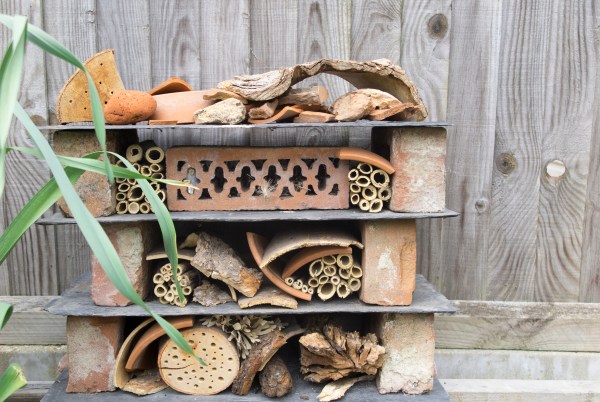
(329, 270)
(313, 282)
(369, 193)
(376, 205)
(344, 274)
(121, 196)
(160, 290)
(157, 175)
(326, 291)
(354, 284)
(134, 153)
(162, 194)
(354, 199)
(135, 193)
(343, 290)
(356, 272)
(157, 168)
(123, 187)
(323, 279)
(121, 207)
(384, 194)
(335, 280)
(363, 181)
(145, 208)
(364, 205)
(355, 188)
(329, 259)
(154, 154)
(315, 268)
(353, 174)
(187, 290)
(304, 288)
(133, 208)
(379, 178)
(364, 168)
(298, 283)
(311, 291)
(345, 261)
(158, 278)
(145, 170)
(162, 300)
(289, 281)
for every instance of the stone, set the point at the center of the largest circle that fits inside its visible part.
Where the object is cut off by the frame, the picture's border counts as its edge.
(208, 294)
(314, 117)
(390, 252)
(97, 193)
(408, 364)
(275, 379)
(129, 107)
(418, 154)
(132, 242)
(352, 106)
(228, 111)
(93, 343)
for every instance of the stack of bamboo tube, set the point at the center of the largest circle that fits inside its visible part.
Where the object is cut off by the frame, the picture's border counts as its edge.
(369, 187)
(333, 274)
(164, 287)
(149, 160)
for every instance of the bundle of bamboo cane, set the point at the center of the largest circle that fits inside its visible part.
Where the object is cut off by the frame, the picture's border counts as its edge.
(164, 286)
(369, 187)
(330, 275)
(149, 160)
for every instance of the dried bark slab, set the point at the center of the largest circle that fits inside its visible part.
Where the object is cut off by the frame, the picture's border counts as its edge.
(185, 374)
(257, 244)
(394, 113)
(179, 106)
(216, 260)
(173, 84)
(352, 106)
(121, 376)
(220, 94)
(260, 355)
(309, 254)
(284, 242)
(331, 354)
(337, 389)
(269, 295)
(314, 117)
(159, 254)
(275, 379)
(208, 294)
(73, 103)
(284, 114)
(315, 95)
(145, 383)
(264, 111)
(380, 99)
(379, 74)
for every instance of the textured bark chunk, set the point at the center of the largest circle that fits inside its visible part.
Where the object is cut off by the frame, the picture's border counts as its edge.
(263, 111)
(275, 379)
(314, 95)
(314, 117)
(208, 294)
(269, 295)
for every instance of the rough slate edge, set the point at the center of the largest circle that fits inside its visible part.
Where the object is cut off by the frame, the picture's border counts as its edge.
(259, 216)
(77, 302)
(358, 124)
(303, 391)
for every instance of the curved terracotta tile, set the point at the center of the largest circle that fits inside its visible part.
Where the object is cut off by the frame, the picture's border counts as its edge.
(361, 155)
(121, 376)
(152, 334)
(173, 84)
(286, 113)
(159, 253)
(310, 254)
(179, 106)
(257, 244)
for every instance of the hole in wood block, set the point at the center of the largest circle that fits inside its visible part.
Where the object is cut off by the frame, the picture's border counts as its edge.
(231, 165)
(272, 177)
(297, 178)
(284, 163)
(205, 165)
(309, 162)
(258, 163)
(285, 192)
(555, 168)
(219, 180)
(233, 192)
(322, 177)
(205, 195)
(246, 178)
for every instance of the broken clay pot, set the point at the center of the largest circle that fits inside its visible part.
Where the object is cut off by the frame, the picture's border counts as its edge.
(179, 106)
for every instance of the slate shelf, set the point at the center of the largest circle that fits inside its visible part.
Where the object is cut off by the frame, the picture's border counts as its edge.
(260, 216)
(352, 124)
(303, 391)
(77, 302)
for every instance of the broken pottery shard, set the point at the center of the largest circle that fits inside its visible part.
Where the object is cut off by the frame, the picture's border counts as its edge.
(379, 74)
(275, 379)
(263, 111)
(220, 94)
(269, 295)
(352, 106)
(283, 114)
(179, 106)
(391, 113)
(314, 117)
(314, 95)
(173, 84)
(216, 260)
(145, 383)
(337, 389)
(129, 107)
(229, 111)
(208, 294)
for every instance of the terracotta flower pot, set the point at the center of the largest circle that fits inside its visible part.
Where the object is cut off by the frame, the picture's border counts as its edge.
(179, 106)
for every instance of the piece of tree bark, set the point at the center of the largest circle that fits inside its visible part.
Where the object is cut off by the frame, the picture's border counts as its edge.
(352, 106)
(314, 117)
(337, 389)
(283, 114)
(215, 259)
(263, 111)
(275, 379)
(208, 294)
(391, 113)
(220, 94)
(269, 295)
(380, 99)
(315, 95)
(379, 74)
(145, 383)
(331, 354)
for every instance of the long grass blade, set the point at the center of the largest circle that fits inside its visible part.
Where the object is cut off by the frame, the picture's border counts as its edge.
(93, 231)
(11, 380)
(5, 313)
(11, 71)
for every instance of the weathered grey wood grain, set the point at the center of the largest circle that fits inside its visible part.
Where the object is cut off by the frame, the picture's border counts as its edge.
(589, 281)
(30, 267)
(453, 253)
(536, 220)
(30, 324)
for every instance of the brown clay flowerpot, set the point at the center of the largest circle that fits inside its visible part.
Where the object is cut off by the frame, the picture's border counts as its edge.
(179, 106)
(173, 84)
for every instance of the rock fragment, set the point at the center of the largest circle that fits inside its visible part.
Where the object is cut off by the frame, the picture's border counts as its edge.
(129, 107)
(229, 111)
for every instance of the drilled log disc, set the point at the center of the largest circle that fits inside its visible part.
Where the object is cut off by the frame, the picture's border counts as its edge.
(183, 373)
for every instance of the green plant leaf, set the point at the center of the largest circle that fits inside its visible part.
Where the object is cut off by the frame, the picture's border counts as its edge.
(49, 44)
(5, 313)
(11, 380)
(11, 71)
(93, 231)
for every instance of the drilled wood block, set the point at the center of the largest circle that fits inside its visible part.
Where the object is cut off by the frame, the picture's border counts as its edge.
(257, 179)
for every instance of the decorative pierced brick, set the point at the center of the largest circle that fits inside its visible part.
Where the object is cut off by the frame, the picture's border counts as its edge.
(257, 179)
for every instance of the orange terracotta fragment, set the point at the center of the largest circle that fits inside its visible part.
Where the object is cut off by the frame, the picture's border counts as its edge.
(179, 106)
(310, 254)
(314, 117)
(173, 84)
(286, 113)
(361, 155)
(121, 376)
(162, 122)
(160, 253)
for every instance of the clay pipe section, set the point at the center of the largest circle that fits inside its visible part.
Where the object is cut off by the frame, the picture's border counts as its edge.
(310, 254)
(121, 376)
(257, 244)
(360, 155)
(152, 334)
(159, 254)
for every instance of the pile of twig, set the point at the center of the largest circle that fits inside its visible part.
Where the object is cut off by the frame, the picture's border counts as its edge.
(149, 160)
(330, 275)
(164, 286)
(369, 187)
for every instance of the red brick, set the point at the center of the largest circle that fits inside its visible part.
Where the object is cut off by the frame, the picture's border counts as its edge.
(93, 344)
(409, 342)
(418, 155)
(97, 193)
(389, 262)
(132, 242)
